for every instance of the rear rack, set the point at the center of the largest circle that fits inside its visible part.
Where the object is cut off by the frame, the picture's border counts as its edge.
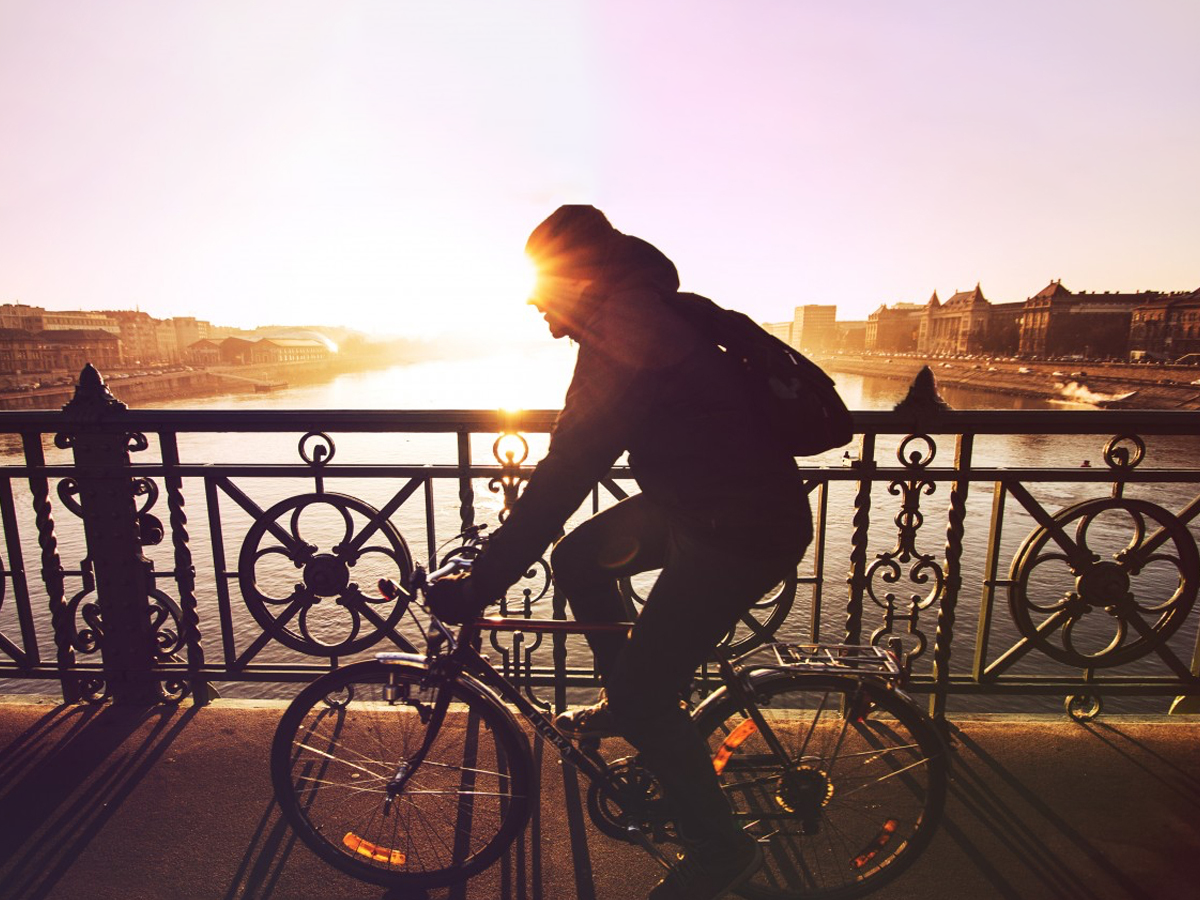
(833, 659)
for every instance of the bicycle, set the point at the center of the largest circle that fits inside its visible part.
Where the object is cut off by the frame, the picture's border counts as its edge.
(410, 770)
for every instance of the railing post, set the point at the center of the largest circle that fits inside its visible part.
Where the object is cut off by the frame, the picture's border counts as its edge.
(859, 536)
(955, 531)
(52, 570)
(92, 429)
(466, 491)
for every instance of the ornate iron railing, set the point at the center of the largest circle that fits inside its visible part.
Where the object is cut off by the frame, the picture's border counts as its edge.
(1012, 567)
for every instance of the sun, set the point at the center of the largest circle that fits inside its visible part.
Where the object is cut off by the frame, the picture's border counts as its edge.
(490, 298)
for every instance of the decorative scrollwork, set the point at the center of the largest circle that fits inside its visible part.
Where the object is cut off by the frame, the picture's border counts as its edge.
(150, 529)
(93, 689)
(325, 613)
(68, 492)
(166, 620)
(534, 585)
(136, 442)
(517, 656)
(322, 454)
(924, 572)
(1123, 458)
(511, 476)
(144, 487)
(1086, 596)
(176, 689)
(90, 638)
(913, 456)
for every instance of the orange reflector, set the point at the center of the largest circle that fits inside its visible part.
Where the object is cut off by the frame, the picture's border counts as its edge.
(372, 851)
(872, 849)
(735, 739)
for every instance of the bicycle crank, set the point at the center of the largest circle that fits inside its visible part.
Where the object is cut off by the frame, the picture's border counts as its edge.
(632, 809)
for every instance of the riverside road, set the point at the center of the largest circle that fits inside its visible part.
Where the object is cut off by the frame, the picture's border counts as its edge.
(168, 802)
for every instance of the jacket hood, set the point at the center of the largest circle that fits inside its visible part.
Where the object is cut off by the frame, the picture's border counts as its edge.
(638, 263)
(578, 241)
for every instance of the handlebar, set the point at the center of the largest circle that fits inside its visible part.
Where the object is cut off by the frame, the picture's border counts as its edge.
(421, 578)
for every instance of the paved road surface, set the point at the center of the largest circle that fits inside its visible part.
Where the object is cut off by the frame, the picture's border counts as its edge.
(108, 804)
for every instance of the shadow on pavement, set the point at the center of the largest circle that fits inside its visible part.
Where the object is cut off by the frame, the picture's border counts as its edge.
(63, 779)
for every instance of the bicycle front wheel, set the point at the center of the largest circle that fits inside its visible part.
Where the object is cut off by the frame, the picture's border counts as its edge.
(856, 801)
(346, 737)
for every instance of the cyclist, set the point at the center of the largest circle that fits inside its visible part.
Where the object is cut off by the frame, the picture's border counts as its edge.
(722, 511)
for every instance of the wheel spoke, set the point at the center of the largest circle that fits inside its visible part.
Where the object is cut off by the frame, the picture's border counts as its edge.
(459, 808)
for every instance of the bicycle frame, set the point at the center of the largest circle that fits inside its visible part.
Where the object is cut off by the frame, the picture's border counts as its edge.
(774, 745)
(463, 659)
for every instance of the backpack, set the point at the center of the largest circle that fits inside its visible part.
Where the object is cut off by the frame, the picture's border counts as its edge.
(791, 392)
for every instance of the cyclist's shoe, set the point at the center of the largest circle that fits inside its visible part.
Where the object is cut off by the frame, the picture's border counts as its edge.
(584, 722)
(710, 869)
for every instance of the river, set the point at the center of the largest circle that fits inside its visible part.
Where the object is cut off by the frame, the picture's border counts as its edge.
(538, 379)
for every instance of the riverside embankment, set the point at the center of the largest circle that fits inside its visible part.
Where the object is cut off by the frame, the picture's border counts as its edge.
(140, 388)
(1112, 385)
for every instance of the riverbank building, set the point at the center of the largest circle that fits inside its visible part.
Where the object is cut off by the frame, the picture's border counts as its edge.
(1166, 326)
(968, 324)
(1060, 322)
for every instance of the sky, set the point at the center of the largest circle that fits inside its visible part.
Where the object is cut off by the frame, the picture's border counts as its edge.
(379, 163)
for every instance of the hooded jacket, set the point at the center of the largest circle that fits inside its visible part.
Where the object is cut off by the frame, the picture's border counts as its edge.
(648, 384)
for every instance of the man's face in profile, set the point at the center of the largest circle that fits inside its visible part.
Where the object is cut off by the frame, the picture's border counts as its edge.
(557, 298)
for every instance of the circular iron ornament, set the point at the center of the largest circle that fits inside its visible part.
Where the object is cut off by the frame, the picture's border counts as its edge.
(3, 581)
(1083, 707)
(757, 626)
(1118, 456)
(322, 453)
(912, 456)
(509, 457)
(1113, 594)
(326, 599)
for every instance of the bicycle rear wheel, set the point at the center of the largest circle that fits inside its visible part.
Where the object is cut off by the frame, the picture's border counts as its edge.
(341, 742)
(859, 798)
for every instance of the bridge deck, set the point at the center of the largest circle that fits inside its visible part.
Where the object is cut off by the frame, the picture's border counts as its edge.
(132, 804)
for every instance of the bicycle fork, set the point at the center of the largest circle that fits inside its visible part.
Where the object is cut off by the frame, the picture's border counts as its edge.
(406, 768)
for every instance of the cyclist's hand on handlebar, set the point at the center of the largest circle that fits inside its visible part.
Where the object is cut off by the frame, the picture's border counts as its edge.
(453, 598)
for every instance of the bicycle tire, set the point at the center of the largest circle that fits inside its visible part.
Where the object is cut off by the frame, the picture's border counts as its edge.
(868, 787)
(340, 742)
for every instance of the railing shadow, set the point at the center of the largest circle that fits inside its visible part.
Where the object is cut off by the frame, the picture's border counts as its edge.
(558, 829)
(64, 779)
(1008, 819)
(1149, 762)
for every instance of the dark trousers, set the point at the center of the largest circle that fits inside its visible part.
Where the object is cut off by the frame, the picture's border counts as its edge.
(702, 591)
